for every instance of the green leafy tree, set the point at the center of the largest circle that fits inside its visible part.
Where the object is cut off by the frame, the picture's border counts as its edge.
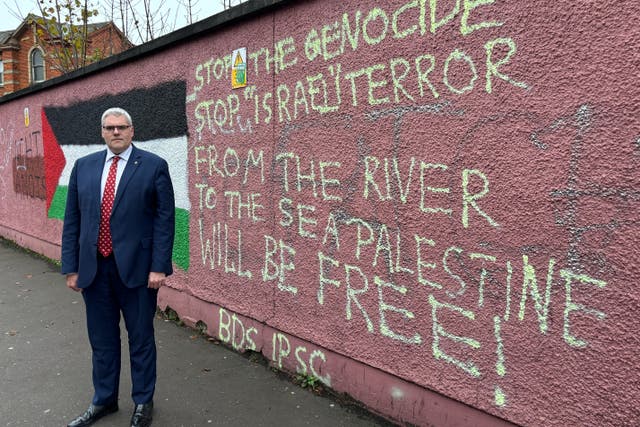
(64, 25)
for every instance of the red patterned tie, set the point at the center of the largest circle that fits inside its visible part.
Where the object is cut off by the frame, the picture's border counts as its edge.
(104, 235)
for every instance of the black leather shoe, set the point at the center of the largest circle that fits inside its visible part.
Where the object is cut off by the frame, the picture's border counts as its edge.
(93, 414)
(142, 415)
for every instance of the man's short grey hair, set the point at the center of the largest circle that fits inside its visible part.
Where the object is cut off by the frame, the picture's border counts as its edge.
(116, 111)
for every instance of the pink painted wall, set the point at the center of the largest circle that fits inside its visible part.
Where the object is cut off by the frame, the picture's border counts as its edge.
(432, 207)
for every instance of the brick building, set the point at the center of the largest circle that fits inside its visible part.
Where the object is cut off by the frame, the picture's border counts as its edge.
(27, 54)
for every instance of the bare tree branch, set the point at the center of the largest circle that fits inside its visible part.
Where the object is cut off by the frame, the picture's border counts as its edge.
(63, 28)
(16, 12)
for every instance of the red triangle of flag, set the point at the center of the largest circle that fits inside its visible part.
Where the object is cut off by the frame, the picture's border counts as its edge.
(54, 160)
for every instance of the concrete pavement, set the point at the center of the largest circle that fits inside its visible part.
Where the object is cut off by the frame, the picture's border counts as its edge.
(45, 366)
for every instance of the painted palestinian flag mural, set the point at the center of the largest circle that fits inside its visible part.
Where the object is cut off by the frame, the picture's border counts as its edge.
(159, 117)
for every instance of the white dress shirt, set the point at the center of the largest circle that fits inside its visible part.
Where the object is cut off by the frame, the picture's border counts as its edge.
(122, 163)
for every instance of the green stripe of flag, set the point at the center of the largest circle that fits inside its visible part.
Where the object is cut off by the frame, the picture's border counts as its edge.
(59, 202)
(181, 241)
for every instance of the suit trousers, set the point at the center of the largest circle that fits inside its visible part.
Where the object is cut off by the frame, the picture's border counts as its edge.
(105, 299)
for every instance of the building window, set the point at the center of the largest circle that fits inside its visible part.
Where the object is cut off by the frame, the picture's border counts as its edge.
(1, 73)
(37, 66)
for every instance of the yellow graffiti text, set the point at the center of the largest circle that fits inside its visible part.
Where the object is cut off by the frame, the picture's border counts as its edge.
(232, 331)
(219, 251)
(230, 164)
(386, 180)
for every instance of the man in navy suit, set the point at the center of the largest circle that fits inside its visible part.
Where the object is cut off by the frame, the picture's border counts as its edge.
(117, 242)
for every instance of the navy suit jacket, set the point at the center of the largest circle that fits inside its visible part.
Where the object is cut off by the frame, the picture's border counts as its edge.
(142, 221)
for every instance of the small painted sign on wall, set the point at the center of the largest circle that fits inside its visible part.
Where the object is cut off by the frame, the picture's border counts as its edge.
(239, 68)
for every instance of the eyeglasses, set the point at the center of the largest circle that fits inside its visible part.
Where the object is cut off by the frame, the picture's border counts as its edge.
(120, 128)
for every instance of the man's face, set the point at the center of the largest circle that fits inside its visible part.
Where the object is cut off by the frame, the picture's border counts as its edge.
(117, 133)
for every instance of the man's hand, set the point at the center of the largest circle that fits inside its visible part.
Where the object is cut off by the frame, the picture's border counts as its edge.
(72, 282)
(156, 280)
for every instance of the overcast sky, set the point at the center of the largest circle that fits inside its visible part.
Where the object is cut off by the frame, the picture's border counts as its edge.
(201, 9)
